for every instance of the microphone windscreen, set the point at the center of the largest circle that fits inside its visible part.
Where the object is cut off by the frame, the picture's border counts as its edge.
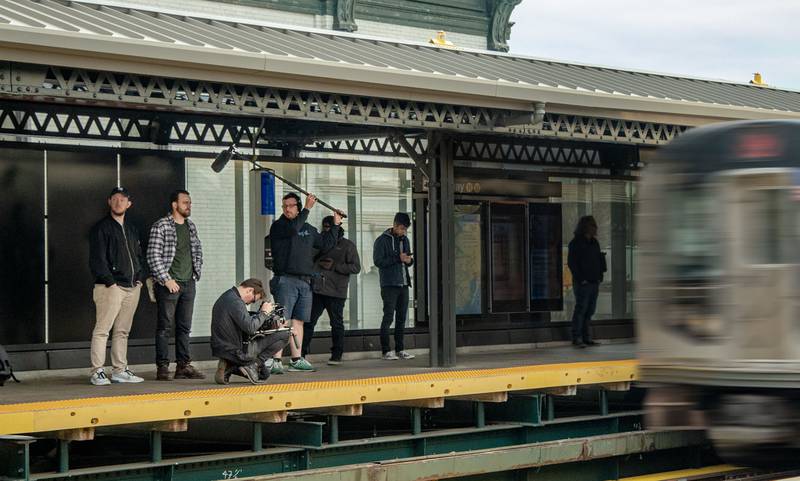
(222, 160)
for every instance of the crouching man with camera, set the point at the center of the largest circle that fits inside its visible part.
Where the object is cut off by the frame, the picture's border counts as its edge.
(245, 341)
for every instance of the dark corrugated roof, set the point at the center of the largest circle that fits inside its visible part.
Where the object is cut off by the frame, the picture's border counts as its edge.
(170, 28)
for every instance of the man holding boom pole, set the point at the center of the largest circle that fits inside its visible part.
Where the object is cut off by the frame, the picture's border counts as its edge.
(293, 242)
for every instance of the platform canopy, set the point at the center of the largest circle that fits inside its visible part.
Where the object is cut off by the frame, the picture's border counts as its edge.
(110, 36)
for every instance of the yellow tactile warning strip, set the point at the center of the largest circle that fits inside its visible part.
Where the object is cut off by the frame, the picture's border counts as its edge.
(144, 408)
(685, 474)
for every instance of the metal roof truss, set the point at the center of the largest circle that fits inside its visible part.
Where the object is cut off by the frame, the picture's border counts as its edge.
(101, 88)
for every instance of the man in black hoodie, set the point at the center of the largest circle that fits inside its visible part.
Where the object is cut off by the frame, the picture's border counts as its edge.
(587, 264)
(330, 290)
(293, 242)
(116, 262)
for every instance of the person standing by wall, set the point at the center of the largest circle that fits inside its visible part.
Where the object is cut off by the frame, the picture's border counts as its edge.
(392, 254)
(175, 256)
(293, 241)
(330, 288)
(587, 264)
(115, 259)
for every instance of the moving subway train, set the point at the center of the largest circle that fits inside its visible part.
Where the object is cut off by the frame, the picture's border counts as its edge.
(718, 287)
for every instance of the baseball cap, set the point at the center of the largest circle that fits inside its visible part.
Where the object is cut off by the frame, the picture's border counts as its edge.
(119, 190)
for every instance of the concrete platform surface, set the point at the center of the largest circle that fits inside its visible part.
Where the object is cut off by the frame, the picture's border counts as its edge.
(56, 385)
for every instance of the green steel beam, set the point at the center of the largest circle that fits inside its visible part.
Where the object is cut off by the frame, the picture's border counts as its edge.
(351, 452)
(520, 408)
(515, 458)
(15, 457)
(300, 433)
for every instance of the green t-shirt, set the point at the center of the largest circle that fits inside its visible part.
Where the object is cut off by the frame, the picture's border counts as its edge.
(181, 268)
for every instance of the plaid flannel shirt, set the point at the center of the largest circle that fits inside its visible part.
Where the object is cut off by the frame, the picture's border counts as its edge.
(162, 245)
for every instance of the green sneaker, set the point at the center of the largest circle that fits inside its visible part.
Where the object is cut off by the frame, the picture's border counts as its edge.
(301, 365)
(277, 367)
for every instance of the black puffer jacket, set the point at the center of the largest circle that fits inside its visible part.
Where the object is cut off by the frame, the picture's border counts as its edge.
(335, 268)
(115, 253)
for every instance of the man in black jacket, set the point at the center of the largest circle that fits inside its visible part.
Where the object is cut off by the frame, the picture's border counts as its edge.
(293, 243)
(232, 327)
(330, 290)
(587, 264)
(392, 254)
(116, 262)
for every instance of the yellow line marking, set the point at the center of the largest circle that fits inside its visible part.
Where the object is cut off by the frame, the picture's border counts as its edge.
(114, 410)
(684, 474)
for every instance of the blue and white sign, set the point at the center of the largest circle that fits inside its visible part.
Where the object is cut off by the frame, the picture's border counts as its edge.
(267, 193)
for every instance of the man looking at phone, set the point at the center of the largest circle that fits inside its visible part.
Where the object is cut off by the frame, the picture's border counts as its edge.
(392, 254)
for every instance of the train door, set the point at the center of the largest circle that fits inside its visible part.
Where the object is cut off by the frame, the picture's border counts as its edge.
(765, 247)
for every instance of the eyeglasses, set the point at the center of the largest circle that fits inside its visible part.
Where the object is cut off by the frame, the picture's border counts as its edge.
(286, 206)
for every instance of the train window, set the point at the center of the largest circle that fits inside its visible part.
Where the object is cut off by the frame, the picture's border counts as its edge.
(693, 234)
(769, 226)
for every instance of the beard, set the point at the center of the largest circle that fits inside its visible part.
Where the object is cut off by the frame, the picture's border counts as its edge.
(185, 212)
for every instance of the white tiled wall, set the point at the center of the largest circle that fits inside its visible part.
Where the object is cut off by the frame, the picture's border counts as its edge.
(213, 211)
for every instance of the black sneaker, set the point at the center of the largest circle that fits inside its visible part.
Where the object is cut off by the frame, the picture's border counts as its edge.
(578, 344)
(250, 371)
(334, 361)
(265, 369)
(590, 343)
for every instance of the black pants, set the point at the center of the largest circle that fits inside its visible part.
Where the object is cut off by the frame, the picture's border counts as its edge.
(585, 304)
(335, 308)
(265, 347)
(395, 308)
(174, 308)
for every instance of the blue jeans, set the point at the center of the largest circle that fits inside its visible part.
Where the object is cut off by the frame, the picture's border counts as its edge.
(585, 304)
(294, 294)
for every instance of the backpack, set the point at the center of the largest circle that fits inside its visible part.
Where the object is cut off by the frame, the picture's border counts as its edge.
(6, 371)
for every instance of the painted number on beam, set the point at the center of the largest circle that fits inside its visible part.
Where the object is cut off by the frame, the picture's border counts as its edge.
(231, 473)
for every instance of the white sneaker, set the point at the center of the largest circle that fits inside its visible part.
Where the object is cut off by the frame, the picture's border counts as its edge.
(405, 355)
(125, 376)
(99, 378)
(390, 356)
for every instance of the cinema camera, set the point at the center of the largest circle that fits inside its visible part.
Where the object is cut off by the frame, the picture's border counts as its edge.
(275, 322)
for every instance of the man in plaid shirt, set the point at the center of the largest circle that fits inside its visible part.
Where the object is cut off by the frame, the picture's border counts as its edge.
(175, 256)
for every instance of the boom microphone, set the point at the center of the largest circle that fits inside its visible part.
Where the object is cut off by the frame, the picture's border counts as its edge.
(223, 158)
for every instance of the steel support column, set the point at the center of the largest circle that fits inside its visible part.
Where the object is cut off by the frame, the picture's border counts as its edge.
(434, 271)
(63, 455)
(258, 437)
(441, 190)
(155, 446)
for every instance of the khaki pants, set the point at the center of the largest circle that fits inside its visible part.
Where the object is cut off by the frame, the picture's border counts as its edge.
(115, 308)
